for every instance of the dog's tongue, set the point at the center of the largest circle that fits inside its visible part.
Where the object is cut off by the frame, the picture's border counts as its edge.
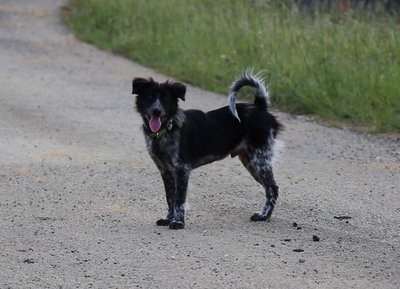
(155, 123)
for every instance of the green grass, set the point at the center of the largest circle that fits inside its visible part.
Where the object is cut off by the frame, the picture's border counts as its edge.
(342, 68)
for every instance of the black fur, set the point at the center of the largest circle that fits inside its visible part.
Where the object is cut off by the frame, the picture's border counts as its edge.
(198, 138)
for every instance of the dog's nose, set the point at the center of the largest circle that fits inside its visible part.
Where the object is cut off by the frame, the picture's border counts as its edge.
(156, 112)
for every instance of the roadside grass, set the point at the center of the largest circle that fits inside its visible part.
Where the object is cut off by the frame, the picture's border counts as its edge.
(342, 68)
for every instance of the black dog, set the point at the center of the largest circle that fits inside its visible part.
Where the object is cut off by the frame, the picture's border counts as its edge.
(179, 141)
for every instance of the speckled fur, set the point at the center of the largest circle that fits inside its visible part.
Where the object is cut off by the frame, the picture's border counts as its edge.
(198, 138)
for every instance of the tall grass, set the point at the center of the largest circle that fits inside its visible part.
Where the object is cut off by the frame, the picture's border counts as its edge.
(340, 67)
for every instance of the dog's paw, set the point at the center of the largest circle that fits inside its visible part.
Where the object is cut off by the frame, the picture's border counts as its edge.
(258, 217)
(163, 222)
(176, 225)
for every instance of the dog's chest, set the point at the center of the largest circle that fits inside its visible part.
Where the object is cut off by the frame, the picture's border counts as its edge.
(164, 152)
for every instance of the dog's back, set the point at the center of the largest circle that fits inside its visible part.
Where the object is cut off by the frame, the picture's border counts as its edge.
(211, 136)
(206, 137)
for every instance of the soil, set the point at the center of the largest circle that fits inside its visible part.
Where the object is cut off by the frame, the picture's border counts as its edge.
(79, 196)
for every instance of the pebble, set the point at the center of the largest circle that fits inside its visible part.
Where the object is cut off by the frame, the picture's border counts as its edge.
(315, 238)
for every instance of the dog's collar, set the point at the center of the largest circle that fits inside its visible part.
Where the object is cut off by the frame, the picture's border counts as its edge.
(169, 125)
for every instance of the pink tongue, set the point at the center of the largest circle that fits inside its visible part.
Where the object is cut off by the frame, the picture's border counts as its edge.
(155, 123)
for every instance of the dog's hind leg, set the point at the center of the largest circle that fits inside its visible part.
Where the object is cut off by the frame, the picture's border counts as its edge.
(170, 188)
(271, 191)
(182, 179)
(259, 164)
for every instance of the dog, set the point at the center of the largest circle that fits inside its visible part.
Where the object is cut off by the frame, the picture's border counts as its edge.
(179, 140)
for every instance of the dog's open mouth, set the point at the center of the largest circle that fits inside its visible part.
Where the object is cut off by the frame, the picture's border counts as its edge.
(155, 123)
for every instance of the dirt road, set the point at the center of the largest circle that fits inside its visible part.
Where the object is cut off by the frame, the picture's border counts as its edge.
(79, 196)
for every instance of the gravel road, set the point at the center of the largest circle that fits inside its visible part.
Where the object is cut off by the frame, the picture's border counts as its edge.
(79, 196)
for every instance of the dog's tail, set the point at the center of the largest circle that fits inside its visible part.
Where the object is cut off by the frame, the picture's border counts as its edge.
(256, 82)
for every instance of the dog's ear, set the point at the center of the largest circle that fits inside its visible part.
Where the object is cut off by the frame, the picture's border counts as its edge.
(140, 85)
(177, 89)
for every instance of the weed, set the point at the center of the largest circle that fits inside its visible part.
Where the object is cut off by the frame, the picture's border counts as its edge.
(339, 67)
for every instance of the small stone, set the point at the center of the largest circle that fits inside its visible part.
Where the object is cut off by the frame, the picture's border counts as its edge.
(29, 261)
(315, 238)
(298, 250)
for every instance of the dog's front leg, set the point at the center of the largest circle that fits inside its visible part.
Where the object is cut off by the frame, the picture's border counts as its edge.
(169, 179)
(182, 179)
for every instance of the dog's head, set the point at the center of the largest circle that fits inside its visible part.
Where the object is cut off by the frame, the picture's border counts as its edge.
(157, 102)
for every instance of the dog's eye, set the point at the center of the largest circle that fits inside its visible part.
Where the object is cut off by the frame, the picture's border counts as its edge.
(152, 97)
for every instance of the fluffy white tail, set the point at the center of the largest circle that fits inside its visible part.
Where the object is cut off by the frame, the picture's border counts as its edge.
(255, 81)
